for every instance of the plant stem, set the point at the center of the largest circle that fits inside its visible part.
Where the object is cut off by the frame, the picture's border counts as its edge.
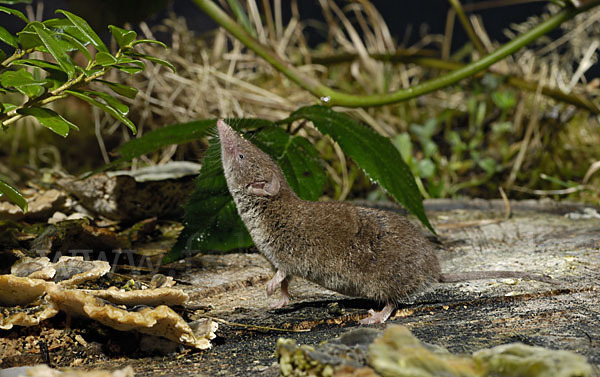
(425, 60)
(468, 27)
(336, 98)
(54, 95)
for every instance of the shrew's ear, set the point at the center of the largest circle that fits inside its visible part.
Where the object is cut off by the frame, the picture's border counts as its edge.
(269, 187)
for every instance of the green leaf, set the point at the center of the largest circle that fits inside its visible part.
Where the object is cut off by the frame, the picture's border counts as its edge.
(156, 139)
(109, 109)
(124, 90)
(241, 16)
(149, 41)
(13, 195)
(152, 59)
(122, 36)
(50, 119)
(105, 59)
(110, 100)
(8, 38)
(85, 29)
(374, 153)
(132, 70)
(6, 107)
(76, 44)
(65, 26)
(29, 39)
(23, 81)
(55, 48)
(37, 63)
(14, 12)
(2, 55)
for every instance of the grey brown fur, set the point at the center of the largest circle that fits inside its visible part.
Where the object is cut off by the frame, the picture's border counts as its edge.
(353, 250)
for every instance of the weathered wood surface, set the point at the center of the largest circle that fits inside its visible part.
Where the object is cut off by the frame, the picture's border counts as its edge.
(463, 317)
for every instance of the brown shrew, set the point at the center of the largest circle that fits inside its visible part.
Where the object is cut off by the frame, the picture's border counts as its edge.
(357, 251)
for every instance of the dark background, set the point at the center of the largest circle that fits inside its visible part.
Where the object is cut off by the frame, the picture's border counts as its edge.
(399, 15)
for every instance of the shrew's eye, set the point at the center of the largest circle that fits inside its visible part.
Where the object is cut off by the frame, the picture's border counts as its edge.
(241, 156)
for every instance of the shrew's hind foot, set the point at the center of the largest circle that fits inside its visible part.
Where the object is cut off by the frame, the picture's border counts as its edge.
(285, 296)
(378, 317)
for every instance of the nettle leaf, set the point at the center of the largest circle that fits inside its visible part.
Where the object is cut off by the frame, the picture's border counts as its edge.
(85, 30)
(122, 36)
(211, 220)
(375, 154)
(50, 119)
(105, 59)
(109, 109)
(13, 195)
(124, 90)
(23, 81)
(8, 38)
(54, 48)
(14, 12)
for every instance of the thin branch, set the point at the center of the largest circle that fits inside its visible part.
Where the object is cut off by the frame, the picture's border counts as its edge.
(336, 98)
(425, 58)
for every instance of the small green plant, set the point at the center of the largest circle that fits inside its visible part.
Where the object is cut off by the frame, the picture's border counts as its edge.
(29, 84)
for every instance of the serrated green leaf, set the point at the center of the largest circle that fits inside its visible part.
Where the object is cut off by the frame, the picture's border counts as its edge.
(105, 59)
(13, 195)
(374, 153)
(14, 12)
(85, 29)
(50, 119)
(109, 109)
(149, 41)
(110, 100)
(124, 90)
(55, 48)
(23, 81)
(122, 36)
(8, 38)
(152, 59)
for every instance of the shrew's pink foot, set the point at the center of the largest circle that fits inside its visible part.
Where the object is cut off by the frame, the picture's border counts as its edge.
(378, 317)
(285, 296)
(275, 281)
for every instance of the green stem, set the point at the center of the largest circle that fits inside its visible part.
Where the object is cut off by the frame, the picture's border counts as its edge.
(54, 95)
(426, 61)
(468, 27)
(333, 97)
